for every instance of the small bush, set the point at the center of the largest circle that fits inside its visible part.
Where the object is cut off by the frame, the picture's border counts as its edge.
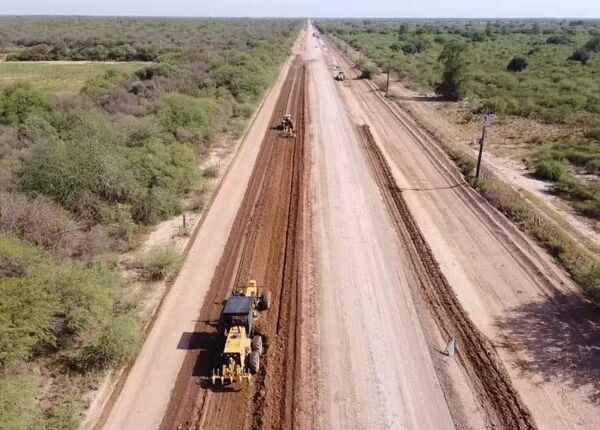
(589, 208)
(159, 263)
(593, 44)
(210, 172)
(18, 101)
(550, 170)
(593, 134)
(572, 188)
(557, 39)
(409, 48)
(593, 166)
(517, 64)
(117, 342)
(368, 71)
(580, 55)
(179, 110)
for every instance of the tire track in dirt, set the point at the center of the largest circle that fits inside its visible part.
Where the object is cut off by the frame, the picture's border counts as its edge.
(501, 403)
(264, 244)
(525, 255)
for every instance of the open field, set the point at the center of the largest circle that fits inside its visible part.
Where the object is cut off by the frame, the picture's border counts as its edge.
(59, 76)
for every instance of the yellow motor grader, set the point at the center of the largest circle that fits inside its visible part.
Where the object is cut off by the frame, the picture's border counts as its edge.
(287, 127)
(243, 348)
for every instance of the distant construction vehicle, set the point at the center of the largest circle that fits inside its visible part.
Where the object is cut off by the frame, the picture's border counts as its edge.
(287, 126)
(240, 358)
(339, 76)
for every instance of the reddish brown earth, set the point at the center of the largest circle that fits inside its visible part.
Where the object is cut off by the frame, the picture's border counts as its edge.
(263, 245)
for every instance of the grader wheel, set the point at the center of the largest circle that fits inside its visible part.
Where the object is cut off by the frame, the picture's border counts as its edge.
(254, 362)
(257, 344)
(265, 300)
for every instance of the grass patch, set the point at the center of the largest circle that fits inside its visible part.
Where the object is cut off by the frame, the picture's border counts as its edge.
(58, 77)
(18, 406)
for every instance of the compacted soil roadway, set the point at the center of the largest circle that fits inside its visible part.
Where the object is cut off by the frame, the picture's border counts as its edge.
(376, 253)
(545, 334)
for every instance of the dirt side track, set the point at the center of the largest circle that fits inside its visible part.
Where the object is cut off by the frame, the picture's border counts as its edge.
(502, 405)
(264, 244)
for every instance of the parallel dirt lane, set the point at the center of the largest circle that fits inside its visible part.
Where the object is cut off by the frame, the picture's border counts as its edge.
(263, 245)
(375, 366)
(477, 355)
(543, 331)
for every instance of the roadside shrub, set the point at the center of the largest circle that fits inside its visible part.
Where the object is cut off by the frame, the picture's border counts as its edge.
(517, 64)
(368, 71)
(549, 169)
(159, 263)
(593, 134)
(116, 343)
(581, 55)
(210, 172)
(593, 166)
(589, 208)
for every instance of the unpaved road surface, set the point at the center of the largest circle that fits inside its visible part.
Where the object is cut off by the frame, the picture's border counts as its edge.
(376, 252)
(376, 370)
(545, 334)
(264, 244)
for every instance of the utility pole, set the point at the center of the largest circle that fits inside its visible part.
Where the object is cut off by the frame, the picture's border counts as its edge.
(487, 120)
(387, 82)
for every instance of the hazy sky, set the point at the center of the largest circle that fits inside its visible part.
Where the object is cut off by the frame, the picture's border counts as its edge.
(309, 8)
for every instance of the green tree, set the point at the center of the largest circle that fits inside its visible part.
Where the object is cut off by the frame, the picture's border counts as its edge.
(452, 85)
(18, 101)
(593, 44)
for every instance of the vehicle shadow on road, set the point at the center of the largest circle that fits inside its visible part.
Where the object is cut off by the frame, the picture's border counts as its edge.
(204, 345)
(560, 337)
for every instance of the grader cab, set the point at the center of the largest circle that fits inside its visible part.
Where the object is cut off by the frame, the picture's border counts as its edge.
(241, 354)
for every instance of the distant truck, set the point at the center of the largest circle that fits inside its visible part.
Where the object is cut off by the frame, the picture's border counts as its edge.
(339, 76)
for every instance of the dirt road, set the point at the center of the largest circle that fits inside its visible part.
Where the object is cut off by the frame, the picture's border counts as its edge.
(544, 332)
(375, 364)
(264, 244)
(376, 252)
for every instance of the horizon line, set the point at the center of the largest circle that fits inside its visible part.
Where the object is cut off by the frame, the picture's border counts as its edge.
(12, 15)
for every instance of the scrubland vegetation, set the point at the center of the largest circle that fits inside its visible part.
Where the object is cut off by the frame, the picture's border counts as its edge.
(84, 173)
(546, 71)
